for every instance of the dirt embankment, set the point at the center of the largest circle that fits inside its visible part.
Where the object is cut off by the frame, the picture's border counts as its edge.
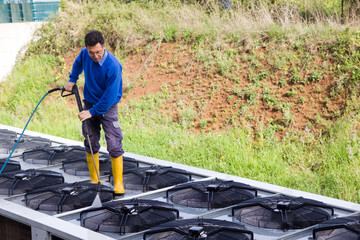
(213, 101)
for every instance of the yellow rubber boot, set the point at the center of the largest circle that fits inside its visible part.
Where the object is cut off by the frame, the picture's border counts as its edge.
(117, 170)
(93, 175)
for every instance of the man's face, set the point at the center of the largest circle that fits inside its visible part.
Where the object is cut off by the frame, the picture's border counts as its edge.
(96, 52)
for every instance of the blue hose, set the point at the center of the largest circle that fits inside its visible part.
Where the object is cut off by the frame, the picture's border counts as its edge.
(52, 90)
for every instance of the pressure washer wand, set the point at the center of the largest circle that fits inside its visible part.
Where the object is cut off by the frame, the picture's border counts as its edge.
(75, 91)
(80, 107)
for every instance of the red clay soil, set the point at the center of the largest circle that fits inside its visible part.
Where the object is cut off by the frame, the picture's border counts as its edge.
(215, 98)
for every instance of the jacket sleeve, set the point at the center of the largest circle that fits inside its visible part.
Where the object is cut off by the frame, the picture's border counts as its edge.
(77, 68)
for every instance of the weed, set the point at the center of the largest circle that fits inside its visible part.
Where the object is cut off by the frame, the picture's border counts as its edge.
(171, 69)
(203, 123)
(355, 75)
(315, 76)
(301, 88)
(237, 80)
(291, 92)
(170, 33)
(143, 84)
(336, 114)
(237, 92)
(164, 65)
(296, 78)
(277, 106)
(268, 98)
(250, 117)
(302, 100)
(288, 117)
(318, 119)
(164, 87)
(187, 116)
(223, 63)
(255, 64)
(279, 63)
(229, 98)
(260, 76)
(174, 60)
(249, 95)
(286, 106)
(282, 82)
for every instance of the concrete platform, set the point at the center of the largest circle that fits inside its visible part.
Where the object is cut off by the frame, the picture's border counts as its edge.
(14, 38)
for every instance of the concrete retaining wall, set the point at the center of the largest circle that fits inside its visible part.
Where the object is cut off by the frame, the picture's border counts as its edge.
(14, 38)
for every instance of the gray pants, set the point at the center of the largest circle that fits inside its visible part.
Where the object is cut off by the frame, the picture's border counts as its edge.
(111, 126)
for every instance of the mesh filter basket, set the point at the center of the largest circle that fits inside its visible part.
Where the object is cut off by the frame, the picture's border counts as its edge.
(128, 216)
(25, 143)
(4, 133)
(210, 194)
(79, 167)
(282, 212)
(10, 166)
(53, 155)
(66, 197)
(209, 229)
(338, 229)
(5, 144)
(154, 177)
(26, 180)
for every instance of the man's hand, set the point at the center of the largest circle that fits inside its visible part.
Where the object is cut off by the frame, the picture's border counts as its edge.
(69, 86)
(84, 115)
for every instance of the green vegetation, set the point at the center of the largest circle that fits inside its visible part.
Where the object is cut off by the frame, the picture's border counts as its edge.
(296, 47)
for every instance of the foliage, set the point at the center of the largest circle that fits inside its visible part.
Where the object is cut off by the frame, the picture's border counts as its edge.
(285, 39)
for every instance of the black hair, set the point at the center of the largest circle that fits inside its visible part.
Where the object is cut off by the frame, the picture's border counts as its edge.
(94, 37)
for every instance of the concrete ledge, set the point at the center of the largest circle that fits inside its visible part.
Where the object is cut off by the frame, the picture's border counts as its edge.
(47, 223)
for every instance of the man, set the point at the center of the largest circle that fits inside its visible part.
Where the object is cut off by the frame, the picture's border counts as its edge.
(102, 93)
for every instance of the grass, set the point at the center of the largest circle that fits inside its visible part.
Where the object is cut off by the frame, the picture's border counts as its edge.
(219, 40)
(301, 164)
(27, 84)
(318, 166)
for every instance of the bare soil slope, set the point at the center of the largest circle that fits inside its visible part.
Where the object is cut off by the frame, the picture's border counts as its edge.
(252, 97)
